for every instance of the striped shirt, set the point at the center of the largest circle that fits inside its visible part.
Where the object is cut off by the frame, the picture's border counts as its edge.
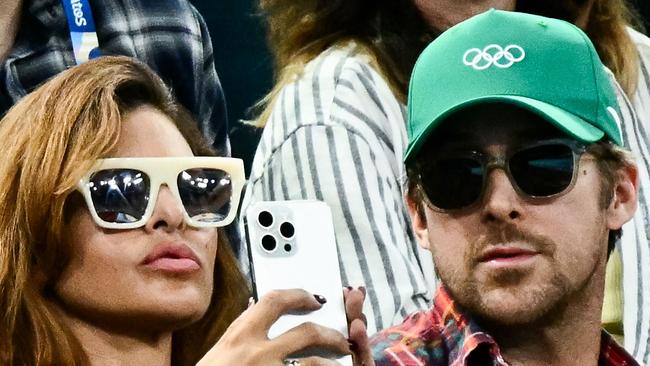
(337, 134)
(444, 335)
(635, 243)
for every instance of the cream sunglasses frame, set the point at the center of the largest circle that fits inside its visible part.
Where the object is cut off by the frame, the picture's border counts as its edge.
(165, 170)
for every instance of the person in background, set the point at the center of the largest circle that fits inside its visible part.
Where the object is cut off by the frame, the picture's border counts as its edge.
(519, 185)
(335, 131)
(112, 244)
(41, 38)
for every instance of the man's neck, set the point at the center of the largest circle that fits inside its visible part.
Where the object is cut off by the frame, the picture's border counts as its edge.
(569, 336)
(10, 12)
(556, 346)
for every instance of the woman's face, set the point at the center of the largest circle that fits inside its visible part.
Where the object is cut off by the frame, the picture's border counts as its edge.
(159, 275)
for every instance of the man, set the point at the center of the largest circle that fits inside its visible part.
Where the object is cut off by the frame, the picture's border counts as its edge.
(519, 188)
(610, 25)
(41, 38)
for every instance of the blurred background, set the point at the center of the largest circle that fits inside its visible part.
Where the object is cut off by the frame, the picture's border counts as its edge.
(245, 65)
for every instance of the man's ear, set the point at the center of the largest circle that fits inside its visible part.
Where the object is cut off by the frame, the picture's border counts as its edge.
(418, 220)
(624, 200)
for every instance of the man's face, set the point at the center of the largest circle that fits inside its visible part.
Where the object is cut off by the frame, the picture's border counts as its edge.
(510, 259)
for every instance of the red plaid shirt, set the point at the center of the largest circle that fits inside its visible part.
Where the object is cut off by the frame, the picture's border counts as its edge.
(445, 336)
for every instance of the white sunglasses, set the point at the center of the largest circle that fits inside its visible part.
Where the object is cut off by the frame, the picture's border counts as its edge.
(121, 192)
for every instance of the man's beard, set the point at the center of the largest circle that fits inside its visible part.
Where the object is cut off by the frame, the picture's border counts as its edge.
(503, 299)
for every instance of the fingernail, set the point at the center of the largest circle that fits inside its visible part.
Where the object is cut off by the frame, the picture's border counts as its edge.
(352, 345)
(362, 289)
(349, 288)
(251, 301)
(321, 300)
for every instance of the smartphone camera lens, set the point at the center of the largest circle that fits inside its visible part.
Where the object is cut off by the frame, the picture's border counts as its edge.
(265, 218)
(287, 230)
(287, 247)
(268, 243)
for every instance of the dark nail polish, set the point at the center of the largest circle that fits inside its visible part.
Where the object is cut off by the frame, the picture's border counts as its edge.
(352, 345)
(349, 288)
(321, 300)
(362, 289)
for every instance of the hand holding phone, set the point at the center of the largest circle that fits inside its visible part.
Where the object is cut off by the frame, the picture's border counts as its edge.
(292, 245)
(245, 342)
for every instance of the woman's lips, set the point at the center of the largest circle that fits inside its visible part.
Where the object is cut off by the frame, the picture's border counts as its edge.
(173, 258)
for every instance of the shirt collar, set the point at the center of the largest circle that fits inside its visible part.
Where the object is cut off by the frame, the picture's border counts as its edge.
(612, 354)
(461, 335)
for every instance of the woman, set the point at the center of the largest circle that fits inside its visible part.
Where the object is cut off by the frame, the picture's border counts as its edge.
(335, 131)
(111, 234)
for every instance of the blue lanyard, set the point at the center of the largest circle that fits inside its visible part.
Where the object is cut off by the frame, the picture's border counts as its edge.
(82, 30)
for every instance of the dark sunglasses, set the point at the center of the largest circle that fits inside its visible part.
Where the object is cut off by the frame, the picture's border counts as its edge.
(121, 192)
(542, 169)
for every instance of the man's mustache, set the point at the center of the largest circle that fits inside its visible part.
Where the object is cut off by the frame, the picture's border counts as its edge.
(511, 236)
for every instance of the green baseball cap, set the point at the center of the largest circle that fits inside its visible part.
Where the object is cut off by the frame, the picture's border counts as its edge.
(544, 65)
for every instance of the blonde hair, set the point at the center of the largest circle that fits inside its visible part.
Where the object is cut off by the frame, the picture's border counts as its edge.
(606, 25)
(52, 137)
(607, 28)
(390, 33)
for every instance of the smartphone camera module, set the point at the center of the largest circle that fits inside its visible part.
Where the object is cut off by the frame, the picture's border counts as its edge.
(287, 230)
(273, 232)
(265, 219)
(269, 243)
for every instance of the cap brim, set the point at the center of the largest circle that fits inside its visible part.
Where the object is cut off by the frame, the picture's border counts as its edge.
(565, 121)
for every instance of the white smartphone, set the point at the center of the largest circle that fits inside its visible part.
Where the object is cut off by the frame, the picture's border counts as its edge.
(291, 244)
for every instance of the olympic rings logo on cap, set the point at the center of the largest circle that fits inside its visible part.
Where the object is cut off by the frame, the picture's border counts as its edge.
(493, 54)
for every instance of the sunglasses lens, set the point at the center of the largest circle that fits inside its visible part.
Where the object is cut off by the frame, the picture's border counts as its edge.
(206, 194)
(119, 195)
(543, 170)
(452, 183)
